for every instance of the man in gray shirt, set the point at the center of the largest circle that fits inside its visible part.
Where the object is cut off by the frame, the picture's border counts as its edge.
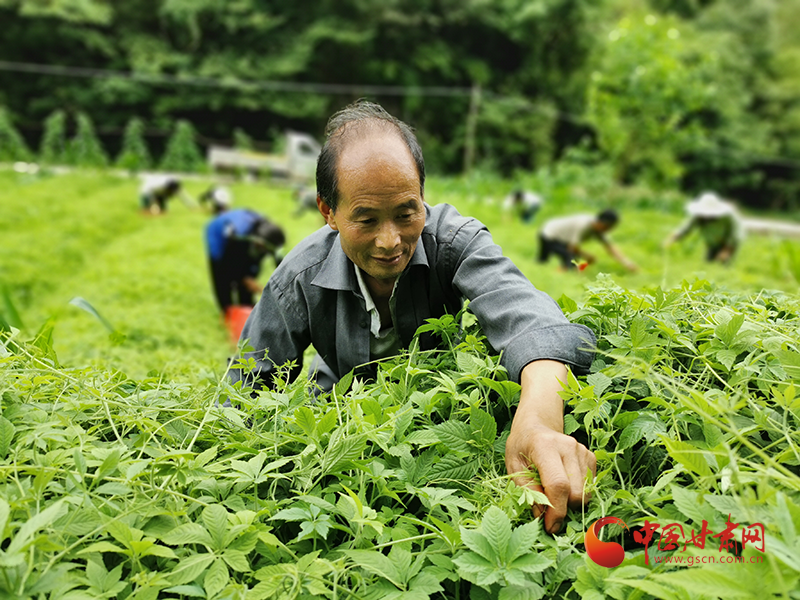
(359, 288)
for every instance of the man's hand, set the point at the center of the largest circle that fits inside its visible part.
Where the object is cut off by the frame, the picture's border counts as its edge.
(537, 439)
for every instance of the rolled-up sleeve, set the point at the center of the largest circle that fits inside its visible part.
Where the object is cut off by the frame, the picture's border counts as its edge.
(521, 322)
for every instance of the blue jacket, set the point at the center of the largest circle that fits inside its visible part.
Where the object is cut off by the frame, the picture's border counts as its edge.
(229, 225)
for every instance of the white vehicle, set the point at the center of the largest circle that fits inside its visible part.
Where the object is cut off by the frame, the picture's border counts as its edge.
(297, 164)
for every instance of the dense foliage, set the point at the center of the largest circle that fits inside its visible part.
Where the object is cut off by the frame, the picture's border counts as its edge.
(123, 488)
(123, 475)
(504, 85)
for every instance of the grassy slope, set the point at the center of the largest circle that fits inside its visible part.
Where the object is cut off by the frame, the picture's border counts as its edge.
(81, 235)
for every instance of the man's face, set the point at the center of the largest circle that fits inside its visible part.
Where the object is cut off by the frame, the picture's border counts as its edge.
(380, 214)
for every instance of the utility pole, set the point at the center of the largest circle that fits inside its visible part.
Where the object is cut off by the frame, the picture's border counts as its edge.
(472, 125)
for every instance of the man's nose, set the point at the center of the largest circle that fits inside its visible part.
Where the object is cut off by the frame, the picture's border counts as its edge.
(388, 236)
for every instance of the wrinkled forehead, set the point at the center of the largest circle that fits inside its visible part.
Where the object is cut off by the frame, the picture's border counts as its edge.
(378, 148)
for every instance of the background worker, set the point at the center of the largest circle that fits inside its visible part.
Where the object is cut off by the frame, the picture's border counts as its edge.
(719, 225)
(564, 237)
(305, 198)
(237, 242)
(523, 205)
(157, 190)
(218, 198)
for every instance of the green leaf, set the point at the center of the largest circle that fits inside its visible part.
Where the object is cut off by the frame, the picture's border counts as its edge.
(531, 563)
(215, 518)
(477, 569)
(216, 578)
(729, 326)
(187, 590)
(377, 563)
(8, 314)
(483, 425)
(496, 527)
(343, 384)
(530, 591)
(236, 560)
(706, 582)
(341, 451)
(34, 524)
(304, 417)
(85, 305)
(190, 568)
(108, 466)
(688, 502)
(453, 468)
(188, 533)
(600, 381)
(477, 542)
(649, 586)
(646, 426)
(7, 430)
(456, 435)
(689, 456)
(523, 538)
(102, 547)
(5, 511)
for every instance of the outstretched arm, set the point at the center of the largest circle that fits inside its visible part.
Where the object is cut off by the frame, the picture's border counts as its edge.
(617, 254)
(537, 438)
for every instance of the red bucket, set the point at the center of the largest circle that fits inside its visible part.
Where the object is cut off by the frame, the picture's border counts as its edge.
(235, 317)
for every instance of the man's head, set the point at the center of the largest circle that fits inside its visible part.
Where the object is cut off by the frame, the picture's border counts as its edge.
(606, 220)
(172, 186)
(370, 187)
(354, 122)
(267, 237)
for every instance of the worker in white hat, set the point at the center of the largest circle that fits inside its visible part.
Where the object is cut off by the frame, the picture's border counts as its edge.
(218, 197)
(719, 224)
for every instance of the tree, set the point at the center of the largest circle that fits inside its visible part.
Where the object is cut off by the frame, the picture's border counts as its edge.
(182, 153)
(134, 155)
(85, 149)
(663, 91)
(12, 146)
(53, 149)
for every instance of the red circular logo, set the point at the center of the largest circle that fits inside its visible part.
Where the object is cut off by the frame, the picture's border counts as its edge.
(605, 554)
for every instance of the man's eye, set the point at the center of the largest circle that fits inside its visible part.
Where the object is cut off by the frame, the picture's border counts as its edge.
(367, 221)
(405, 217)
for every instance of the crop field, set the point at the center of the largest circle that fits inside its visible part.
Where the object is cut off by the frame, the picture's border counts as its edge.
(123, 476)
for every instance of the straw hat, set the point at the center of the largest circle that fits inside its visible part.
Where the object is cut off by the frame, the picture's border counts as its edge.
(709, 205)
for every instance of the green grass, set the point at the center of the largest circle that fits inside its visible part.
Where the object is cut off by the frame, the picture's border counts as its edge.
(81, 234)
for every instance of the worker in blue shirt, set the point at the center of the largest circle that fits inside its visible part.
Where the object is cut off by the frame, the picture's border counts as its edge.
(237, 241)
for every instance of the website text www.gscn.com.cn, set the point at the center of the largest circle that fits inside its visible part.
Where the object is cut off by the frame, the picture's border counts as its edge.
(724, 559)
(671, 537)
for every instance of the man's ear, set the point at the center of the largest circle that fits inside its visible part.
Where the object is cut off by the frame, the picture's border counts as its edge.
(326, 212)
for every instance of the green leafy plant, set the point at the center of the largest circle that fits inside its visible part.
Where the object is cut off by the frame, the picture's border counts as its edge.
(396, 488)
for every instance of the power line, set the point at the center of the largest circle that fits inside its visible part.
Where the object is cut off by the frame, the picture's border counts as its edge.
(236, 83)
(330, 88)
